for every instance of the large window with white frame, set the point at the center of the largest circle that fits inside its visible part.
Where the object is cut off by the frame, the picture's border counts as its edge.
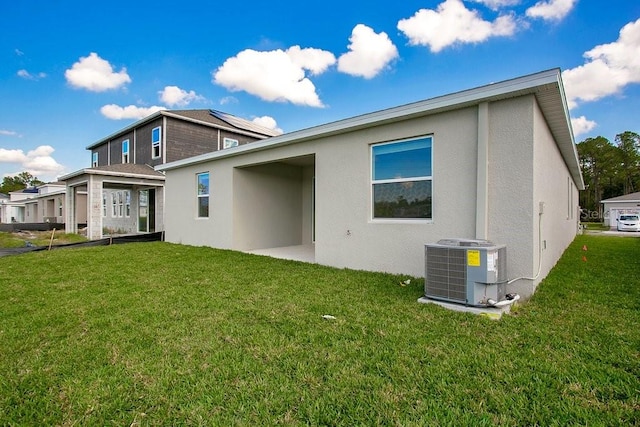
(125, 151)
(94, 159)
(401, 179)
(156, 145)
(203, 194)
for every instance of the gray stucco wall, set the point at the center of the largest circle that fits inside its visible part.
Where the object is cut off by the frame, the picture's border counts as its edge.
(257, 202)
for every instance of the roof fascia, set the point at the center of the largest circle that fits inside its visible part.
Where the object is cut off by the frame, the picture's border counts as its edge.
(494, 91)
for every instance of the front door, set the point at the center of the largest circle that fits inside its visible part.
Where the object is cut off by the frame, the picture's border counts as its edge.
(147, 211)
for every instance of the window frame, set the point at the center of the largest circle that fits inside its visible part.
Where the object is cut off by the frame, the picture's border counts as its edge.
(114, 205)
(201, 196)
(94, 159)
(229, 143)
(127, 203)
(419, 178)
(156, 145)
(125, 152)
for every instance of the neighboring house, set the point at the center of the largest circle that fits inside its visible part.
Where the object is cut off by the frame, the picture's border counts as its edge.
(616, 206)
(42, 204)
(496, 162)
(121, 192)
(12, 209)
(48, 205)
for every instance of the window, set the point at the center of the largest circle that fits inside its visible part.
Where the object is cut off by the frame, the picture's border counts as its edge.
(401, 179)
(94, 159)
(104, 204)
(125, 151)
(156, 135)
(127, 203)
(114, 205)
(228, 143)
(59, 206)
(203, 195)
(120, 204)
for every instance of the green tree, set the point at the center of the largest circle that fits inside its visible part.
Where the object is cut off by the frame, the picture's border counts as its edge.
(628, 144)
(19, 182)
(599, 160)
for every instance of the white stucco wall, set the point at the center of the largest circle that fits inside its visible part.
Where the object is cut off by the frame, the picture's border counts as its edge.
(555, 188)
(346, 236)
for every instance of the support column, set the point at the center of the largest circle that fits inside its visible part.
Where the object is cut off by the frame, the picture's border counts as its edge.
(94, 208)
(70, 223)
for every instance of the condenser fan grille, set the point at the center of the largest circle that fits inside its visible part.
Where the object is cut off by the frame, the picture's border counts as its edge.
(446, 274)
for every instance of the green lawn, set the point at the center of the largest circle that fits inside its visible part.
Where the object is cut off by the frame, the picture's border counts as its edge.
(163, 334)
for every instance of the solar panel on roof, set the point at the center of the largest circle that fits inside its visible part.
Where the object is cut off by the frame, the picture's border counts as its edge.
(243, 124)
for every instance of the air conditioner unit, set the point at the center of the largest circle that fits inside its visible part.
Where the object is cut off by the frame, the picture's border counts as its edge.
(464, 271)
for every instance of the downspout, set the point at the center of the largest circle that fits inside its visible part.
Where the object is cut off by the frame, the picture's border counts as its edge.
(482, 178)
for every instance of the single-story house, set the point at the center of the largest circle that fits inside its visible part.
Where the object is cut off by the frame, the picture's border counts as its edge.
(614, 207)
(497, 162)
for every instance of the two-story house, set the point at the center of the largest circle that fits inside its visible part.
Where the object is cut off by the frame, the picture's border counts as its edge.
(122, 192)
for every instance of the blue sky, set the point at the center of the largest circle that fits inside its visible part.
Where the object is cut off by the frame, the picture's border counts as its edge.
(72, 72)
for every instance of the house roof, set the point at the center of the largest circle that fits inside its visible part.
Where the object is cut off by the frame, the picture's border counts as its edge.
(546, 86)
(631, 197)
(209, 118)
(129, 170)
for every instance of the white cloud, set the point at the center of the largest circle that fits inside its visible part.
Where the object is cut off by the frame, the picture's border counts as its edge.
(28, 76)
(5, 132)
(275, 75)
(453, 23)
(551, 10)
(174, 96)
(582, 125)
(609, 68)
(315, 60)
(38, 162)
(116, 112)
(368, 54)
(95, 74)
(267, 122)
(497, 4)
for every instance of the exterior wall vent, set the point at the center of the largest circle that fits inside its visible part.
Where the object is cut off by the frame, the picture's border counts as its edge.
(464, 271)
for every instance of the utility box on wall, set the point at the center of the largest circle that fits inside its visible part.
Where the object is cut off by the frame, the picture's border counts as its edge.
(465, 271)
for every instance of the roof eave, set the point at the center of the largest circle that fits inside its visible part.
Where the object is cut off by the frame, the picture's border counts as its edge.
(558, 119)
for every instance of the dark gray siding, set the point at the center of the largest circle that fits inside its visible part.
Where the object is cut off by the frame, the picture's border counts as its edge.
(188, 139)
(103, 155)
(143, 144)
(115, 148)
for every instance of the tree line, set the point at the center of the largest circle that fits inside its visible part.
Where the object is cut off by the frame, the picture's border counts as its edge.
(19, 182)
(609, 169)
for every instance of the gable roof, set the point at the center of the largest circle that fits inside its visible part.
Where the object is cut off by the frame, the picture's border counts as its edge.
(211, 118)
(546, 86)
(631, 197)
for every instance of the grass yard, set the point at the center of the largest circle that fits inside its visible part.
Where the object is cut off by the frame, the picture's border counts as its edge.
(163, 334)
